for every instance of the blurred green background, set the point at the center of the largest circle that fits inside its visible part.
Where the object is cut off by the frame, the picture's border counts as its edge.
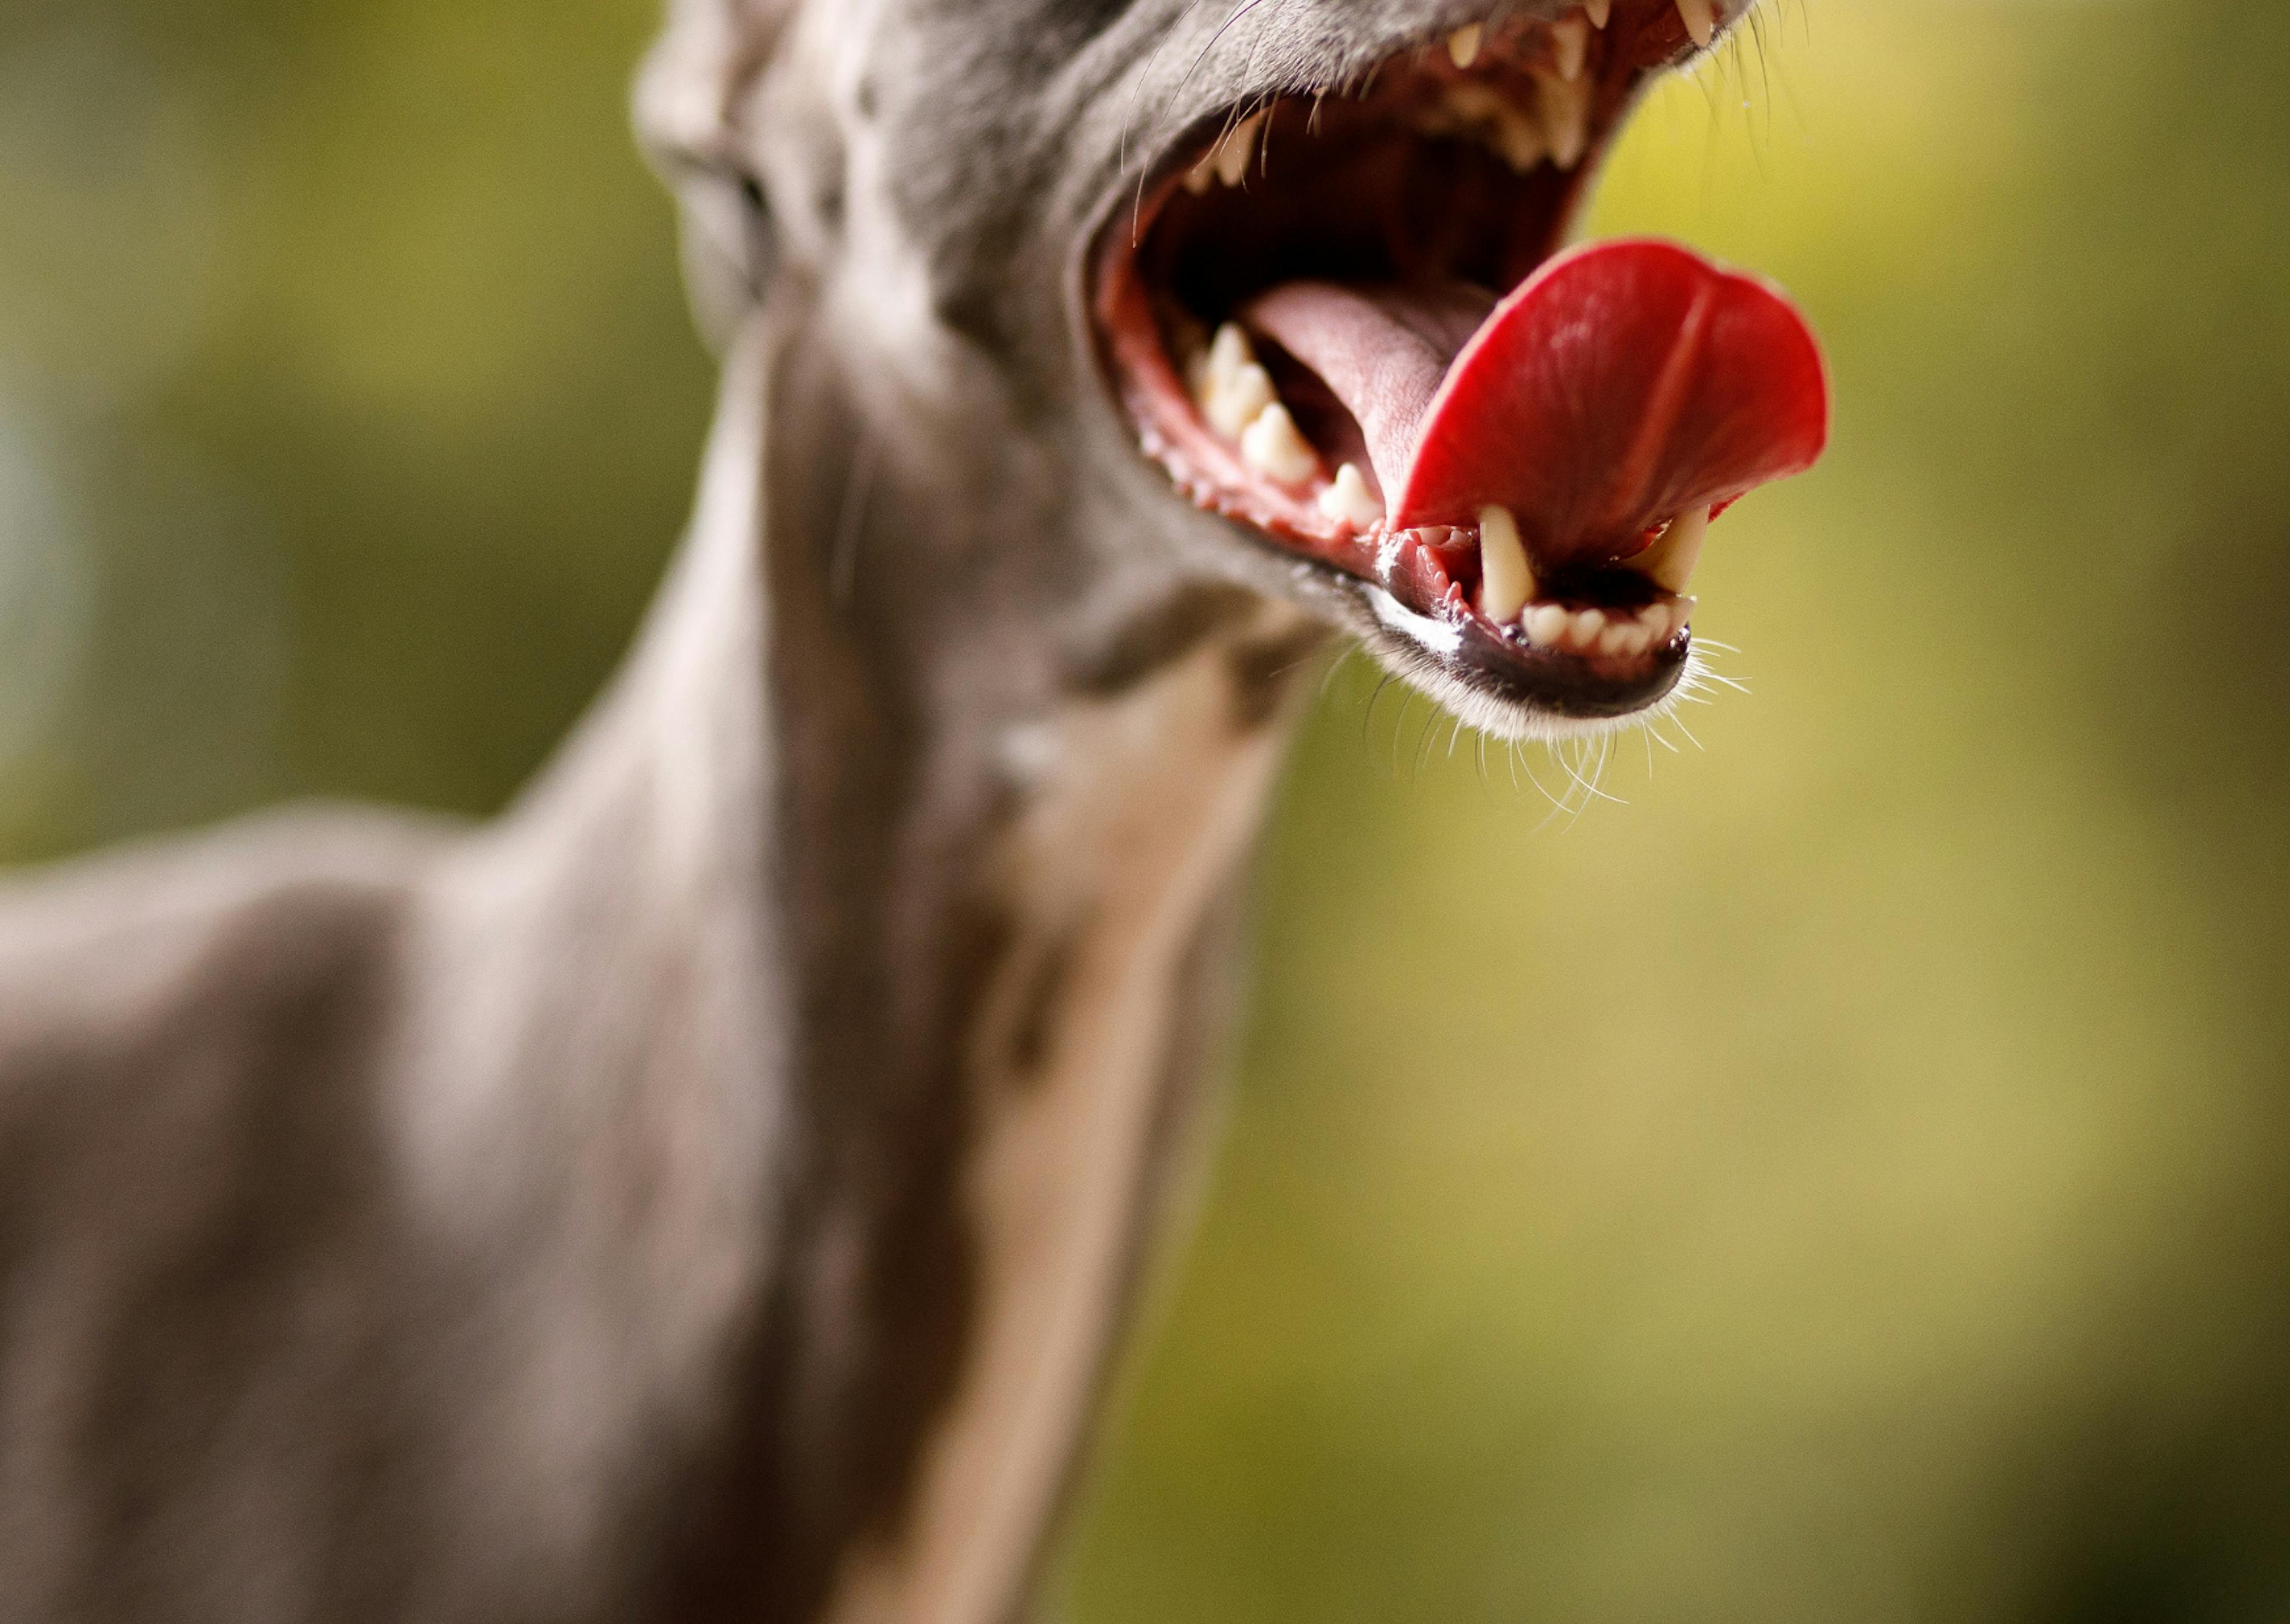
(1840, 1177)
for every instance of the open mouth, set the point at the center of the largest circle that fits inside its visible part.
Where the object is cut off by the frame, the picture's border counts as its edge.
(1342, 320)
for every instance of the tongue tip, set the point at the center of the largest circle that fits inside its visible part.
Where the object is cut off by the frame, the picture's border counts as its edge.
(1623, 378)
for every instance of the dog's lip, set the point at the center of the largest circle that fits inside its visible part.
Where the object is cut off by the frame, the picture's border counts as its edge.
(1405, 585)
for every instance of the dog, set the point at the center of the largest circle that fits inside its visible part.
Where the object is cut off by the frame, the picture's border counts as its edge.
(714, 1189)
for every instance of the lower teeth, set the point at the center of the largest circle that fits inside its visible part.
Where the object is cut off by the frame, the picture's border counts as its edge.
(1602, 631)
(1236, 397)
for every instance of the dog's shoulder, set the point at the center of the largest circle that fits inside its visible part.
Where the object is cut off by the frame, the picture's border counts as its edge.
(135, 981)
(153, 934)
(197, 1250)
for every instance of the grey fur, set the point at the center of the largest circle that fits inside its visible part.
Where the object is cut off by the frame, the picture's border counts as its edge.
(570, 1218)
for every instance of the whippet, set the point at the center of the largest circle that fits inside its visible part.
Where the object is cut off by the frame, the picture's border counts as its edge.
(712, 1190)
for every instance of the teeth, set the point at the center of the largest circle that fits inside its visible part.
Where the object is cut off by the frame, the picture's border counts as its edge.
(1701, 19)
(1229, 351)
(1669, 562)
(1273, 447)
(1570, 40)
(1241, 401)
(1347, 499)
(1231, 158)
(1597, 10)
(1547, 625)
(1606, 632)
(1506, 580)
(1626, 637)
(1228, 160)
(1471, 103)
(1228, 387)
(1519, 141)
(1565, 117)
(1463, 44)
(1489, 118)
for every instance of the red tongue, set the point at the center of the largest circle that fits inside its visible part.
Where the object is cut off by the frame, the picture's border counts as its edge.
(1621, 385)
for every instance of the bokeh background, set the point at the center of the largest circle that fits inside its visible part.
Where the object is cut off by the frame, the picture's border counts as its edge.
(1838, 1173)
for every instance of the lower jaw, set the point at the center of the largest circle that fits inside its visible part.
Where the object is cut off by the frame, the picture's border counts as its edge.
(1614, 647)
(1509, 687)
(1566, 663)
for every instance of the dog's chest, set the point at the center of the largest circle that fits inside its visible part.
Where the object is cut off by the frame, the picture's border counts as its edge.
(1142, 808)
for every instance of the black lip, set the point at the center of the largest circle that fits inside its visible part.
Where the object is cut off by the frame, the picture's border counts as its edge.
(1505, 667)
(1563, 684)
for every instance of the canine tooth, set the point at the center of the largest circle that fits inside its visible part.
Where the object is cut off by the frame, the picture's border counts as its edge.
(1272, 446)
(1518, 139)
(1234, 152)
(1463, 44)
(1349, 499)
(1669, 562)
(1506, 578)
(1546, 625)
(1597, 10)
(1570, 41)
(1701, 19)
(1565, 117)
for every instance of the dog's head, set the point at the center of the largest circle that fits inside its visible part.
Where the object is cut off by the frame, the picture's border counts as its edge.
(1271, 291)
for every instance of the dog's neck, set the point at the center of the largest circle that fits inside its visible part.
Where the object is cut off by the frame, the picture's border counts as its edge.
(947, 905)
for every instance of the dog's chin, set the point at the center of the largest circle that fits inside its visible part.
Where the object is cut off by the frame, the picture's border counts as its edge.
(1340, 320)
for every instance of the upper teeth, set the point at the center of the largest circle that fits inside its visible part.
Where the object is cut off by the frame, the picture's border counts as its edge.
(1554, 124)
(1669, 562)
(1570, 44)
(1565, 117)
(1227, 161)
(1472, 108)
(1506, 578)
(1701, 19)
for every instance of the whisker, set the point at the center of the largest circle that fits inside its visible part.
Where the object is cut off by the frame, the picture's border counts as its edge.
(1129, 115)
